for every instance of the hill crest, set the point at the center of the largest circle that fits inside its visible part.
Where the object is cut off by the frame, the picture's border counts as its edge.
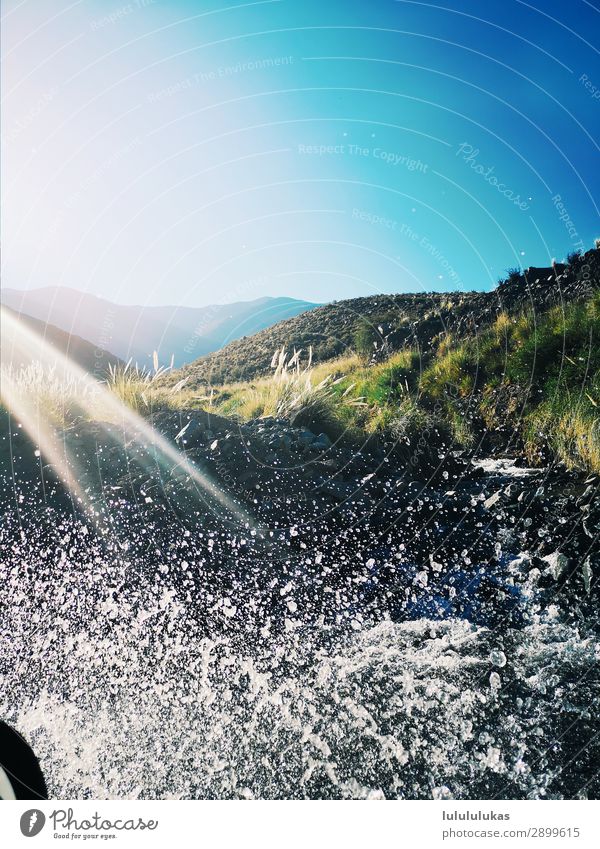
(394, 321)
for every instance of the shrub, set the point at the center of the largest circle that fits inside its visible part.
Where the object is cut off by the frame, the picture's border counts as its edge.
(366, 338)
(568, 429)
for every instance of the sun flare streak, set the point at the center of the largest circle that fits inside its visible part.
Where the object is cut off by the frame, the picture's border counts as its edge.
(20, 345)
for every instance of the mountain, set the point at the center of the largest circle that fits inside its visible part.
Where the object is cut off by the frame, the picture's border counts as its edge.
(330, 331)
(183, 333)
(384, 323)
(89, 357)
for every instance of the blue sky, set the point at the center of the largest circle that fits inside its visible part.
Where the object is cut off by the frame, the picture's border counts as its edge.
(203, 152)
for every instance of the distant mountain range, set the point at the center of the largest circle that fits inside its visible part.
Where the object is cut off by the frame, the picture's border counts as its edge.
(181, 333)
(89, 357)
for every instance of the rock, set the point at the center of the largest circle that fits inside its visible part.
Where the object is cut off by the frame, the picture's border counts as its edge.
(322, 442)
(191, 434)
(512, 492)
(227, 447)
(306, 437)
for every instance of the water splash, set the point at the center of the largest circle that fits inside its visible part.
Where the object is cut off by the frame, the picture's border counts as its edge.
(172, 661)
(147, 680)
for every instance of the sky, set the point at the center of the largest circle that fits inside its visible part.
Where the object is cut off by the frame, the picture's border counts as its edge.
(194, 153)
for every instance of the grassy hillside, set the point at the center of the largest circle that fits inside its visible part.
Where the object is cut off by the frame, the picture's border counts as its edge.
(528, 383)
(384, 321)
(516, 369)
(381, 324)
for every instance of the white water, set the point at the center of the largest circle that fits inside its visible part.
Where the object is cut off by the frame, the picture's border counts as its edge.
(125, 694)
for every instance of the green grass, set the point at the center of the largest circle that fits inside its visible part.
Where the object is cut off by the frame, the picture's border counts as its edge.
(535, 377)
(568, 426)
(539, 374)
(343, 398)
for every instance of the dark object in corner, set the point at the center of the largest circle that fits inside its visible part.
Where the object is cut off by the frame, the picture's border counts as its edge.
(19, 768)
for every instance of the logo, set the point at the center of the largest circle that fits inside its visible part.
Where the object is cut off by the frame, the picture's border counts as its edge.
(32, 822)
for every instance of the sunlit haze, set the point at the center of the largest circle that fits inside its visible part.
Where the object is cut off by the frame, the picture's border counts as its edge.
(192, 153)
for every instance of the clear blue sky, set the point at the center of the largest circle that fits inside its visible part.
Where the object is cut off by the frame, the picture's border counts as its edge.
(198, 152)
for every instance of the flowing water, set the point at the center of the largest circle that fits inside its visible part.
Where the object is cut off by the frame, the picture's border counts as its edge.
(136, 672)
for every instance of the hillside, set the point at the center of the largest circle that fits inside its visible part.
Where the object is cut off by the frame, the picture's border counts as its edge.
(181, 333)
(90, 358)
(385, 323)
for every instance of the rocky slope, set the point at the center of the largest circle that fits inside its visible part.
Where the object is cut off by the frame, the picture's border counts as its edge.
(395, 320)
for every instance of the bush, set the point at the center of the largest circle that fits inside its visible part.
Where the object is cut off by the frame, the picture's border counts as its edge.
(451, 375)
(366, 337)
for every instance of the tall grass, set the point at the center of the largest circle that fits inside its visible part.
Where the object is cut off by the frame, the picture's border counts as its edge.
(344, 398)
(294, 391)
(136, 387)
(534, 376)
(568, 426)
(60, 399)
